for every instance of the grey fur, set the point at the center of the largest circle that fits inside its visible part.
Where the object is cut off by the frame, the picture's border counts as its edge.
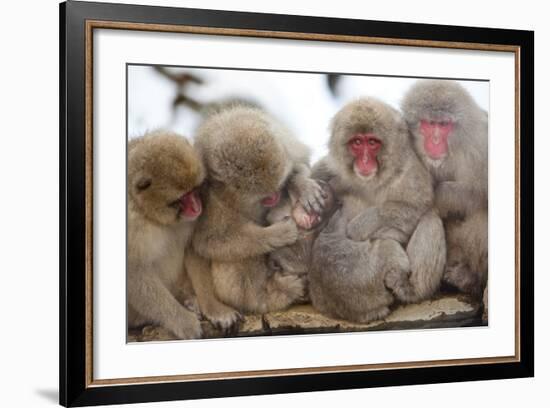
(460, 178)
(386, 241)
(296, 259)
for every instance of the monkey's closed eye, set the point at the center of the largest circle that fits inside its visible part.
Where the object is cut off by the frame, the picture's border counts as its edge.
(175, 204)
(143, 184)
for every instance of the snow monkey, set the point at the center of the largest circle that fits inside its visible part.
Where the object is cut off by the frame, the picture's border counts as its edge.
(296, 259)
(449, 132)
(164, 172)
(387, 241)
(250, 159)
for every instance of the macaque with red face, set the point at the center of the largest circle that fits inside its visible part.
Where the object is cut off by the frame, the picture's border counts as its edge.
(386, 242)
(436, 134)
(164, 173)
(364, 147)
(449, 133)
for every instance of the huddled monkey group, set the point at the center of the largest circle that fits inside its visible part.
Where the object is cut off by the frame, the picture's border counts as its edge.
(239, 222)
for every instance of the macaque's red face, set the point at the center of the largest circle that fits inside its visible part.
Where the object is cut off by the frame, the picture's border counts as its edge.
(190, 205)
(436, 134)
(271, 200)
(364, 147)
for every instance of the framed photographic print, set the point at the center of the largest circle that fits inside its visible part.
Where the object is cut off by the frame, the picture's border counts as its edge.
(257, 204)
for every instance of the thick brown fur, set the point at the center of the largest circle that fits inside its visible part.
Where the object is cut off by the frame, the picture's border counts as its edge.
(460, 178)
(162, 167)
(386, 241)
(248, 156)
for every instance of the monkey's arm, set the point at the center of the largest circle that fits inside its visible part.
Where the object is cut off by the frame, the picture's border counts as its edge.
(458, 198)
(245, 241)
(200, 273)
(322, 171)
(151, 299)
(393, 220)
(306, 190)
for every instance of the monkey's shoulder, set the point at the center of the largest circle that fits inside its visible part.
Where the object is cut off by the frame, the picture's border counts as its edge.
(156, 249)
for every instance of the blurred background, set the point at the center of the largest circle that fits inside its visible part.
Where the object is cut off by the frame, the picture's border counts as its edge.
(175, 98)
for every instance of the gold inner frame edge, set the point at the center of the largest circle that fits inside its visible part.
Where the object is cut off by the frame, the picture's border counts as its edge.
(98, 24)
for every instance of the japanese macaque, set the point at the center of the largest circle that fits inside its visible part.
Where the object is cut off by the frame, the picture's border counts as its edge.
(250, 159)
(296, 259)
(386, 242)
(164, 173)
(449, 132)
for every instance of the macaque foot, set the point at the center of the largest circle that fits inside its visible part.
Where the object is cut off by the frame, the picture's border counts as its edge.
(222, 316)
(186, 326)
(363, 226)
(287, 289)
(375, 314)
(191, 304)
(398, 282)
(462, 278)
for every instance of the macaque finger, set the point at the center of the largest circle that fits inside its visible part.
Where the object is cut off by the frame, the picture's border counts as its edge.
(307, 206)
(317, 208)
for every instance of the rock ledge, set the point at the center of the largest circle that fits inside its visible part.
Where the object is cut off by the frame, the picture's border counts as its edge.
(441, 312)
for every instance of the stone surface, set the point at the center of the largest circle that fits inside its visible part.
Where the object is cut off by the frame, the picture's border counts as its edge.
(449, 310)
(150, 333)
(445, 311)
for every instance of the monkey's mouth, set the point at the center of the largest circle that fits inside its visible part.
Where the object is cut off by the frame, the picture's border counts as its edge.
(190, 205)
(436, 148)
(272, 200)
(365, 168)
(435, 135)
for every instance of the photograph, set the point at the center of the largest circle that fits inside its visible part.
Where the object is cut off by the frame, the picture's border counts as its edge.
(274, 204)
(263, 202)
(257, 203)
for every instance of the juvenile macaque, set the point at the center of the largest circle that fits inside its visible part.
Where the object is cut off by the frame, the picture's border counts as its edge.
(250, 158)
(163, 205)
(296, 259)
(386, 241)
(449, 132)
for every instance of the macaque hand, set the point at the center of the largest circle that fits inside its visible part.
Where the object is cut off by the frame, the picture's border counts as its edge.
(312, 196)
(363, 226)
(283, 233)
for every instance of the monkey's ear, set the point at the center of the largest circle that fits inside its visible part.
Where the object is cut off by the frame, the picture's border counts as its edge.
(143, 183)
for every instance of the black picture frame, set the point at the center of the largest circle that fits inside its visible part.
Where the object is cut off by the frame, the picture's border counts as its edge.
(76, 387)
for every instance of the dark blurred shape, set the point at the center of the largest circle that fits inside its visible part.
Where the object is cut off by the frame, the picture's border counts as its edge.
(332, 83)
(182, 80)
